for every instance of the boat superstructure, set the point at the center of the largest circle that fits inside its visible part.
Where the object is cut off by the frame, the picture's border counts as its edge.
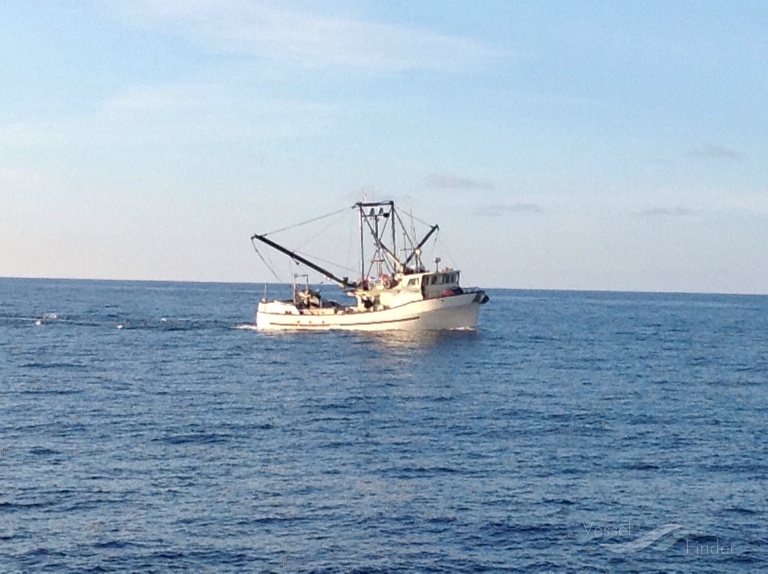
(393, 292)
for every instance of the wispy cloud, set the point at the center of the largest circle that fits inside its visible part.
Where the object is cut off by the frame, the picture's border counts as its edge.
(499, 209)
(453, 181)
(667, 212)
(155, 99)
(713, 151)
(301, 37)
(33, 135)
(184, 113)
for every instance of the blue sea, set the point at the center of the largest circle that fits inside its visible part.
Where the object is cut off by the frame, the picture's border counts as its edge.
(147, 427)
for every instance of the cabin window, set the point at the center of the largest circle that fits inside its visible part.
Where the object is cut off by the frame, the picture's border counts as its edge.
(413, 282)
(434, 279)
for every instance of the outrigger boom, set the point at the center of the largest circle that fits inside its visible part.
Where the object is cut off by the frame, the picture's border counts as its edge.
(343, 282)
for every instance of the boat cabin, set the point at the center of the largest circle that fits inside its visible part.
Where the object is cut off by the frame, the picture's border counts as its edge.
(440, 283)
(390, 292)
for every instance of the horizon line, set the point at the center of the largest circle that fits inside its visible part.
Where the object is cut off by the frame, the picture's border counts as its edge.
(244, 282)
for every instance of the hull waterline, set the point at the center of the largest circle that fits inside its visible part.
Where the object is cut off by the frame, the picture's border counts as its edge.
(443, 313)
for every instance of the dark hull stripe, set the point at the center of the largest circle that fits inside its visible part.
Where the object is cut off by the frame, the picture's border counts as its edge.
(337, 324)
(399, 306)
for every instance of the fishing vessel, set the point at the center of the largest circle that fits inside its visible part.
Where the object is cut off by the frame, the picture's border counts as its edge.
(392, 292)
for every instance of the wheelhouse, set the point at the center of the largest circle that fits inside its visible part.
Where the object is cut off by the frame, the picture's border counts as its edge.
(439, 283)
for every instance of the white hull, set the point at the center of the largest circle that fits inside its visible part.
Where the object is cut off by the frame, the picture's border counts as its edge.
(453, 312)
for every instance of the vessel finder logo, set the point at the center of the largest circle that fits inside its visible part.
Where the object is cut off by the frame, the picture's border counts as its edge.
(659, 539)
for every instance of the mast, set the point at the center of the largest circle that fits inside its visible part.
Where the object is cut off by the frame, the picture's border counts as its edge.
(343, 282)
(362, 244)
(393, 223)
(380, 248)
(417, 249)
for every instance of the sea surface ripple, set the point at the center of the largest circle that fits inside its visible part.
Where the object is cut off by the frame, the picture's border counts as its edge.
(145, 428)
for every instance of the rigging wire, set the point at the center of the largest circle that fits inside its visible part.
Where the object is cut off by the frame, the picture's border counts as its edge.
(306, 222)
(323, 230)
(298, 250)
(350, 241)
(331, 263)
(405, 231)
(412, 216)
(387, 223)
(272, 270)
(444, 246)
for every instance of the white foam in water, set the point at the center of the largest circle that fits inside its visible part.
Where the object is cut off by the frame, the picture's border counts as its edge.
(46, 317)
(247, 326)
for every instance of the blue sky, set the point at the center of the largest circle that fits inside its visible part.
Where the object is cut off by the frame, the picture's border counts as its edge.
(559, 144)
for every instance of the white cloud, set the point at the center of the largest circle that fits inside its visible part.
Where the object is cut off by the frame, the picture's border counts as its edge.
(500, 209)
(667, 212)
(453, 181)
(713, 151)
(306, 39)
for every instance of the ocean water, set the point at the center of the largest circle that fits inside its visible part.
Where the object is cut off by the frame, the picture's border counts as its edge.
(145, 427)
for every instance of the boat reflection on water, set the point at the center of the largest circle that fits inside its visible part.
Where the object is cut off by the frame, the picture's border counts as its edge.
(415, 340)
